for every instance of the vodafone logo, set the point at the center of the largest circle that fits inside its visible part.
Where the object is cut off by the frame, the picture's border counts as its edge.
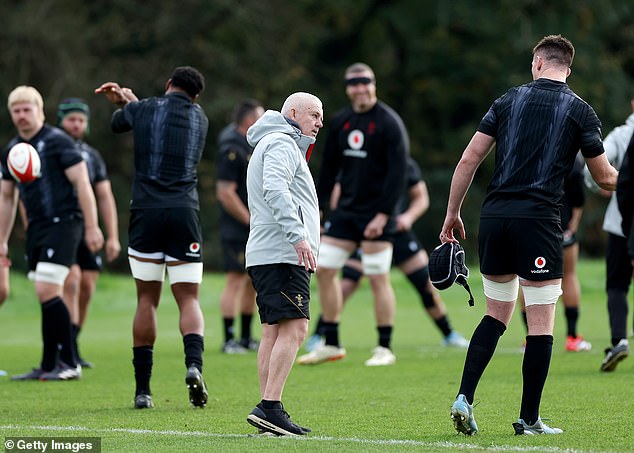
(194, 250)
(540, 262)
(355, 139)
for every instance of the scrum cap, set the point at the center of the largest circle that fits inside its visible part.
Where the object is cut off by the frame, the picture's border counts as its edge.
(447, 265)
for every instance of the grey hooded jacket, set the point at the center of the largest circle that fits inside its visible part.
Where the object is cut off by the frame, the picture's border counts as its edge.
(281, 192)
(615, 145)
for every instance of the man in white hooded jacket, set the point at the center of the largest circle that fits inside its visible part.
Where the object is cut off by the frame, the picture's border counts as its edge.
(282, 247)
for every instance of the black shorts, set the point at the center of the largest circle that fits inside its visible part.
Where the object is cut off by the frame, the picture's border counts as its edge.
(86, 260)
(283, 291)
(233, 255)
(54, 242)
(530, 248)
(350, 226)
(175, 232)
(406, 245)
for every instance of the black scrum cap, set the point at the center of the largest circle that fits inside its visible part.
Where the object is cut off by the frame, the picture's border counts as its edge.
(447, 265)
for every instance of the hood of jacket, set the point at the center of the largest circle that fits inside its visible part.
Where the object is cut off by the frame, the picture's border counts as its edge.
(274, 122)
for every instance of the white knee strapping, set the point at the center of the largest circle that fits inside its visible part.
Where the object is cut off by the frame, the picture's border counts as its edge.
(50, 273)
(541, 295)
(504, 292)
(331, 256)
(377, 263)
(185, 273)
(146, 271)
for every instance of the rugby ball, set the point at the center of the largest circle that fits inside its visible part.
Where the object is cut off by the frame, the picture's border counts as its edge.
(24, 163)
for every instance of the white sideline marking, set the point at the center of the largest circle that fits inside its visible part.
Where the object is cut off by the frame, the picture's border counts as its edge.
(357, 440)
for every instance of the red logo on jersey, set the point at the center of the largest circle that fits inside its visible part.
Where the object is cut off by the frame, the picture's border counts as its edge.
(355, 139)
(346, 125)
(371, 127)
(194, 247)
(540, 262)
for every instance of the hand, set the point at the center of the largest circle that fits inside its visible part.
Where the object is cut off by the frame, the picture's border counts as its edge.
(113, 248)
(452, 222)
(305, 255)
(374, 229)
(93, 238)
(116, 94)
(403, 223)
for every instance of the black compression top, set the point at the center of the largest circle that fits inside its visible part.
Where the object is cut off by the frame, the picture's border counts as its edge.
(233, 156)
(169, 137)
(52, 195)
(539, 128)
(370, 149)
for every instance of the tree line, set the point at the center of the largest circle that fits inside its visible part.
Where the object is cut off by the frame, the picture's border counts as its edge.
(439, 63)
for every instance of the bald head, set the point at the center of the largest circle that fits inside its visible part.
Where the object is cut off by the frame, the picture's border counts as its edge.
(299, 101)
(306, 110)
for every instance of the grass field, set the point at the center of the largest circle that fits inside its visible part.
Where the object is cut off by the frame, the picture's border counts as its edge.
(350, 407)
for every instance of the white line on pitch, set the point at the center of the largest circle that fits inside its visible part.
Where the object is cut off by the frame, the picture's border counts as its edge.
(415, 443)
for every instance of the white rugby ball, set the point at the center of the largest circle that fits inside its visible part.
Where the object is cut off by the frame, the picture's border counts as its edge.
(24, 163)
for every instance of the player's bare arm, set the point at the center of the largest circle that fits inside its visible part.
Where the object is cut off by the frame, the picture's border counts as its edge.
(228, 196)
(418, 205)
(78, 176)
(8, 204)
(108, 212)
(604, 174)
(475, 152)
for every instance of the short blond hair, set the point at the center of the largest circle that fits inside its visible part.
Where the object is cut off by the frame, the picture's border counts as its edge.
(28, 94)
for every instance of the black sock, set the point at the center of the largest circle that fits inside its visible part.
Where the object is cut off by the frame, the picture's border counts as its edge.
(228, 328)
(245, 328)
(75, 329)
(319, 328)
(535, 366)
(268, 404)
(194, 346)
(49, 338)
(481, 348)
(57, 335)
(385, 336)
(331, 333)
(617, 310)
(443, 324)
(142, 361)
(572, 314)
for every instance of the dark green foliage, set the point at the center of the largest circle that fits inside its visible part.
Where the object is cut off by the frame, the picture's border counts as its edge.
(439, 64)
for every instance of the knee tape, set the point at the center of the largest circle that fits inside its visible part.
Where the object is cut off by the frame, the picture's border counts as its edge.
(505, 292)
(50, 273)
(541, 295)
(146, 271)
(377, 263)
(331, 256)
(185, 273)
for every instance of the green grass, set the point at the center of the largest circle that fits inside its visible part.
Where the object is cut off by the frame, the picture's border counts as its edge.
(350, 407)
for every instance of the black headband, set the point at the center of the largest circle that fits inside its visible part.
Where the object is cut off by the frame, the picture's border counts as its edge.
(358, 80)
